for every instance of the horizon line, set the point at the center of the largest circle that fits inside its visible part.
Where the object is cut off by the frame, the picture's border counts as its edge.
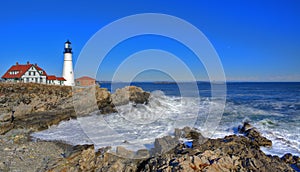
(199, 81)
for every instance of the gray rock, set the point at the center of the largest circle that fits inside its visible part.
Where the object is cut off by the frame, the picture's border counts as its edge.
(130, 94)
(189, 133)
(142, 153)
(164, 144)
(123, 152)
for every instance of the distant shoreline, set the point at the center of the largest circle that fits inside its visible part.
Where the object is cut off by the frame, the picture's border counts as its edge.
(173, 82)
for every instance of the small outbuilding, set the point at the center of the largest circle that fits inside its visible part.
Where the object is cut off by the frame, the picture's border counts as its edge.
(85, 81)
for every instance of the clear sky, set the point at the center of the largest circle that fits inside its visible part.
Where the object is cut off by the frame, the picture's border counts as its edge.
(256, 40)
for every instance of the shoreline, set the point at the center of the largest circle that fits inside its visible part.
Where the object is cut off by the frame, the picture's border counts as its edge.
(38, 107)
(231, 152)
(65, 137)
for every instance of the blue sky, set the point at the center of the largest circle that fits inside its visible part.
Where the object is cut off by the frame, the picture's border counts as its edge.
(256, 40)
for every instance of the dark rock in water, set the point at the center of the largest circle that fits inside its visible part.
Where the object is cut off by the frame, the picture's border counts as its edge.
(254, 135)
(130, 94)
(246, 126)
(294, 161)
(288, 158)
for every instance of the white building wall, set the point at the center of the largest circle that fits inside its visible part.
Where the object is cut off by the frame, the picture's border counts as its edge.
(56, 82)
(51, 82)
(34, 76)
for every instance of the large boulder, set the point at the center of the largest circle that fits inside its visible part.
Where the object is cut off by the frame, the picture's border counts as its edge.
(191, 134)
(123, 152)
(130, 94)
(164, 144)
(91, 99)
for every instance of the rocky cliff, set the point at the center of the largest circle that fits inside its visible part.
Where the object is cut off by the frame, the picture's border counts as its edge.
(39, 106)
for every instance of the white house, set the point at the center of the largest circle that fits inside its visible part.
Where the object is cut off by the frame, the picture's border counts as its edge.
(30, 73)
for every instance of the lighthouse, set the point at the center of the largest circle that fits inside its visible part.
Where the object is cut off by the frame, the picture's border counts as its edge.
(68, 73)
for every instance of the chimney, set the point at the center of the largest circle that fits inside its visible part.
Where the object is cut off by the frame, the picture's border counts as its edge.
(17, 63)
(28, 62)
(35, 64)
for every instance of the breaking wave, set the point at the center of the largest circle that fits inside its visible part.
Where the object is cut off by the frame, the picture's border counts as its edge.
(136, 126)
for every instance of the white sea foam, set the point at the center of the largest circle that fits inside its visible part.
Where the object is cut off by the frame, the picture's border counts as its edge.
(140, 125)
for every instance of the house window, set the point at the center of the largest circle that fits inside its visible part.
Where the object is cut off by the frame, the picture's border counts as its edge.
(27, 79)
(14, 72)
(33, 73)
(36, 80)
(41, 80)
(29, 73)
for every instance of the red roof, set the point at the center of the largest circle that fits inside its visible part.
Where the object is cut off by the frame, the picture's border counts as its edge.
(85, 78)
(51, 77)
(60, 78)
(40, 69)
(21, 69)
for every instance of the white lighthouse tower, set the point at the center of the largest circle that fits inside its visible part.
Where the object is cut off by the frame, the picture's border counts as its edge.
(68, 73)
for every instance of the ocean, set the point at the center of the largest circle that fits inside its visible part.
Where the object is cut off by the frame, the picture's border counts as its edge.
(273, 108)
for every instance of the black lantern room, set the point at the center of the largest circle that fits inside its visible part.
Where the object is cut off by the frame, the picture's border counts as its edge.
(68, 48)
